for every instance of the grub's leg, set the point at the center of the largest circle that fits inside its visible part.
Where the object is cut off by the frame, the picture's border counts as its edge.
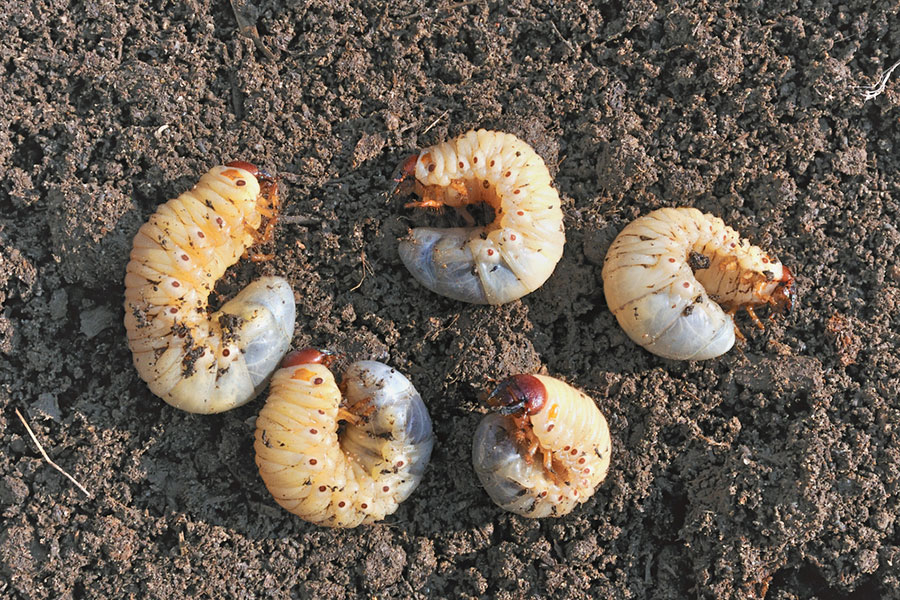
(268, 232)
(737, 330)
(270, 214)
(461, 200)
(259, 257)
(263, 235)
(555, 475)
(754, 317)
(357, 411)
(431, 196)
(532, 448)
(528, 442)
(424, 204)
(259, 238)
(548, 460)
(524, 437)
(404, 177)
(775, 311)
(346, 415)
(267, 205)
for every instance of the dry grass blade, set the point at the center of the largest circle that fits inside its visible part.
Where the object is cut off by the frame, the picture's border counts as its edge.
(47, 458)
(436, 121)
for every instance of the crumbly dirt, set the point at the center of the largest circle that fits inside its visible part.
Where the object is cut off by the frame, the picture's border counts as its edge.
(773, 471)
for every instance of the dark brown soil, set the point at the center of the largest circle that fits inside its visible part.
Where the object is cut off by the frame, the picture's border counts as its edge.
(772, 471)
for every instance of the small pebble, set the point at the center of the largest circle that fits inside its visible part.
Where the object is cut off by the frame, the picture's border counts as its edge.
(48, 406)
(95, 320)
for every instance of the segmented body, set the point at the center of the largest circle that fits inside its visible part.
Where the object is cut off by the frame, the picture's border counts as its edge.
(674, 278)
(195, 361)
(540, 415)
(506, 259)
(349, 475)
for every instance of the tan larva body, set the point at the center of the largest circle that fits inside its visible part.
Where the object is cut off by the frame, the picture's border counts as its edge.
(568, 432)
(506, 259)
(354, 478)
(674, 310)
(195, 361)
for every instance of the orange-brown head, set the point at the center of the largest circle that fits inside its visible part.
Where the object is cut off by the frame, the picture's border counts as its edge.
(404, 177)
(260, 174)
(306, 356)
(267, 202)
(784, 296)
(519, 394)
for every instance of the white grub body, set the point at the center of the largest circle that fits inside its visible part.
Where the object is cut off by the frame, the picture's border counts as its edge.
(506, 259)
(570, 428)
(672, 309)
(358, 473)
(195, 361)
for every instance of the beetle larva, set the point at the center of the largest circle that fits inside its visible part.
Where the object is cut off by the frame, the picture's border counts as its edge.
(195, 361)
(675, 277)
(504, 260)
(341, 462)
(541, 415)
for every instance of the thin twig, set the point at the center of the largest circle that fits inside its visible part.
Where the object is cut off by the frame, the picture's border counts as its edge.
(436, 121)
(409, 126)
(47, 458)
(561, 37)
(872, 92)
(248, 28)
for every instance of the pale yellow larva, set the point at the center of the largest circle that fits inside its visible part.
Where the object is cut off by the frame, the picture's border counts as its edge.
(546, 449)
(674, 277)
(195, 361)
(341, 460)
(504, 260)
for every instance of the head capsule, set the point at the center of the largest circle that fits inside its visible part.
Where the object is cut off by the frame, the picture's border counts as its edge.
(519, 394)
(260, 174)
(306, 356)
(403, 180)
(784, 295)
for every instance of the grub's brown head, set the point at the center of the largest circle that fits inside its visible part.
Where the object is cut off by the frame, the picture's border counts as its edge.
(784, 296)
(404, 178)
(260, 174)
(520, 394)
(307, 356)
(268, 186)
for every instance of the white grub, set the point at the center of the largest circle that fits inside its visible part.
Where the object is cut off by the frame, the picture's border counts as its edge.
(341, 460)
(196, 361)
(674, 278)
(495, 263)
(546, 449)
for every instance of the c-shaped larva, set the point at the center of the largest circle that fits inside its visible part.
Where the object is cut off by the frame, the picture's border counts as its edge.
(504, 260)
(195, 361)
(669, 275)
(341, 462)
(541, 415)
